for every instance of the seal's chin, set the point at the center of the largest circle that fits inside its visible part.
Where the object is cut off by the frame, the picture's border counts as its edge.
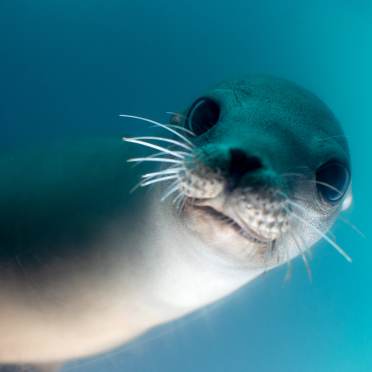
(217, 228)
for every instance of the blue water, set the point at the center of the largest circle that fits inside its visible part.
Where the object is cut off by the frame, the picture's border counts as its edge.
(68, 67)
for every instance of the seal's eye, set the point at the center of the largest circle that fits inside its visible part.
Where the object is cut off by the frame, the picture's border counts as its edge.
(203, 115)
(333, 179)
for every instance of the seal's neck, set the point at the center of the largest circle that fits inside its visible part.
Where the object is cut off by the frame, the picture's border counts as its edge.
(185, 275)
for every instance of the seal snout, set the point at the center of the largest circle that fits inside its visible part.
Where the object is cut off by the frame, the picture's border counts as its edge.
(240, 194)
(241, 164)
(216, 170)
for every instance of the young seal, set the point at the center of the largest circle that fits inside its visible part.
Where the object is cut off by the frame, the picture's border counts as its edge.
(252, 174)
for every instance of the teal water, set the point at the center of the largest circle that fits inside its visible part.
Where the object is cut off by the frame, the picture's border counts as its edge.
(67, 68)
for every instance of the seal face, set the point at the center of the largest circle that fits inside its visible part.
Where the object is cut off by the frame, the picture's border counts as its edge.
(265, 172)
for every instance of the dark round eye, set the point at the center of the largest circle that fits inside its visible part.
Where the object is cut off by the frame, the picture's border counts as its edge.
(203, 115)
(332, 181)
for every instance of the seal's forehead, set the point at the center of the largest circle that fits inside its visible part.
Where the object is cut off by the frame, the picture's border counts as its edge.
(273, 93)
(273, 105)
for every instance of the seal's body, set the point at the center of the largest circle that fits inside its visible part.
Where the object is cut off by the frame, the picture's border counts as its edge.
(257, 171)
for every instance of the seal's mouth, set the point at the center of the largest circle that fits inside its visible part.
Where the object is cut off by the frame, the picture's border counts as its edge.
(227, 221)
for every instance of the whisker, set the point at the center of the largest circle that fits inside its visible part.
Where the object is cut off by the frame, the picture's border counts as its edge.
(176, 198)
(321, 234)
(355, 228)
(163, 139)
(145, 179)
(171, 190)
(151, 156)
(288, 274)
(325, 184)
(156, 180)
(135, 187)
(303, 256)
(307, 251)
(163, 172)
(266, 257)
(342, 219)
(151, 159)
(314, 228)
(177, 154)
(159, 125)
(175, 126)
(181, 204)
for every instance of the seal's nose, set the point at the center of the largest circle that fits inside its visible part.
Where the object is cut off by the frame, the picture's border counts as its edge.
(240, 164)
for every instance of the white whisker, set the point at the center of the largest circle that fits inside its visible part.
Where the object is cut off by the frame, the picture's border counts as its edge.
(156, 180)
(288, 274)
(163, 172)
(175, 126)
(303, 256)
(177, 154)
(151, 156)
(319, 232)
(355, 228)
(168, 140)
(159, 125)
(172, 189)
(135, 187)
(151, 159)
(307, 250)
(181, 203)
(325, 184)
(177, 198)
(148, 176)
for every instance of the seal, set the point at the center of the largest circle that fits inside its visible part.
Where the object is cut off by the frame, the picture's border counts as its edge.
(250, 176)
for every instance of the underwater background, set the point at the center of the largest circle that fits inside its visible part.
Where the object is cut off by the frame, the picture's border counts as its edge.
(69, 67)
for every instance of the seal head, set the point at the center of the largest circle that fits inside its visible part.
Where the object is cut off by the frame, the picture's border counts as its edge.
(266, 174)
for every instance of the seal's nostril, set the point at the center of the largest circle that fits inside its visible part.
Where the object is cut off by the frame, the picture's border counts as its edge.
(242, 163)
